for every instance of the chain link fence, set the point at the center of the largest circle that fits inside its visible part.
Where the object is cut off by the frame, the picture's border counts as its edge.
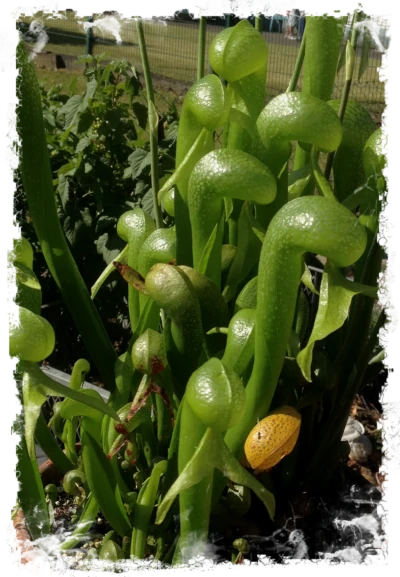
(172, 48)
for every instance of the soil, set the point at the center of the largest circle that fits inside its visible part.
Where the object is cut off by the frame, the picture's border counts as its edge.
(379, 412)
(344, 527)
(64, 522)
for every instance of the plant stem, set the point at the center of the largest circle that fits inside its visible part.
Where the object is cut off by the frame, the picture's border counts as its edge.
(350, 60)
(298, 66)
(153, 123)
(201, 47)
(107, 271)
(258, 23)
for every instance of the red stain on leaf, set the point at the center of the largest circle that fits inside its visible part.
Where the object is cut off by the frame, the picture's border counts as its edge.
(157, 366)
(120, 428)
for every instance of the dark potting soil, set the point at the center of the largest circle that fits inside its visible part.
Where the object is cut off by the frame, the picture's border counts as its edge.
(66, 516)
(335, 530)
(345, 527)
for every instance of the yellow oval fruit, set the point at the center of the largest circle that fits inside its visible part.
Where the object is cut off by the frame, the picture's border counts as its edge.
(273, 438)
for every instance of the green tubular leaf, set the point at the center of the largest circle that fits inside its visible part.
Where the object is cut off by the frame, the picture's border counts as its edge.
(237, 52)
(247, 251)
(148, 353)
(159, 246)
(134, 226)
(215, 394)
(38, 185)
(50, 447)
(295, 116)
(34, 397)
(307, 224)
(149, 312)
(323, 42)
(228, 202)
(79, 371)
(56, 421)
(239, 349)
(256, 227)
(208, 248)
(213, 307)
(350, 60)
(375, 162)
(31, 494)
(298, 181)
(69, 439)
(248, 101)
(374, 207)
(265, 213)
(171, 289)
(203, 111)
(228, 253)
(213, 453)
(168, 201)
(242, 119)
(195, 502)
(183, 171)
(33, 339)
(123, 376)
(302, 315)
(342, 59)
(334, 304)
(102, 483)
(247, 298)
(86, 520)
(348, 168)
(322, 183)
(324, 38)
(71, 408)
(37, 378)
(143, 510)
(220, 174)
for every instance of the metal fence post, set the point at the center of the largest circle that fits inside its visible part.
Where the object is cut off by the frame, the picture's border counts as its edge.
(227, 20)
(89, 37)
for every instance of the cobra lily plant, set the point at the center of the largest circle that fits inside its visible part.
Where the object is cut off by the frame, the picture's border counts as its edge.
(237, 358)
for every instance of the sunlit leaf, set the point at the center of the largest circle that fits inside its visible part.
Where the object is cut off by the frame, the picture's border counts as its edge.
(205, 257)
(335, 297)
(306, 279)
